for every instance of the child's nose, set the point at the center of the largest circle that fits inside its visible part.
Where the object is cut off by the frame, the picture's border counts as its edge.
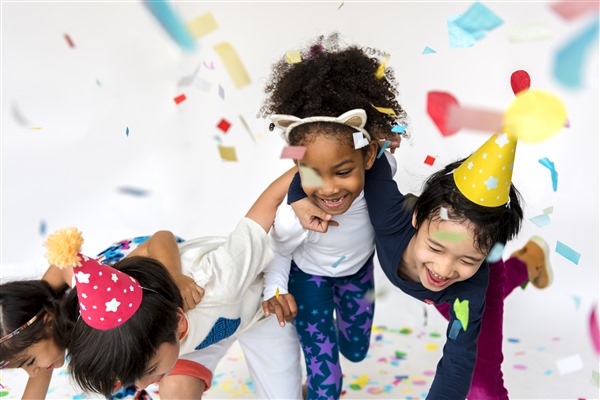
(329, 187)
(444, 268)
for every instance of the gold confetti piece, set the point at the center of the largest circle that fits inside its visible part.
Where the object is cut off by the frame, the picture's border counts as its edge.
(36, 128)
(341, 5)
(202, 26)
(247, 127)
(233, 64)
(381, 68)
(293, 57)
(385, 110)
(227, 153)
(277, 293)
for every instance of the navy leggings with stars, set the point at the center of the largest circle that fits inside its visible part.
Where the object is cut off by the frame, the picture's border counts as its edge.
(322, 336)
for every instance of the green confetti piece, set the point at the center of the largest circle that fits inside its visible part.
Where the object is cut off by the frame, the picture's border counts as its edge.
(400, 354)
(4, 393)
(450, 236)
(434, 334)
(461, 309)
(406, 331)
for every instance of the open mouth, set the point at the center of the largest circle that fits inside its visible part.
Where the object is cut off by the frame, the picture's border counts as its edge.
(435, 279)
(333, 203)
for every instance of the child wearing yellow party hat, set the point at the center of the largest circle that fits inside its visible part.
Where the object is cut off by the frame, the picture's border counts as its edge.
(436, 250)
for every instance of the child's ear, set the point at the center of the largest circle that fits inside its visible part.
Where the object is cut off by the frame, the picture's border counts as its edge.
(414, 220)
(181, 321)
(371, 154)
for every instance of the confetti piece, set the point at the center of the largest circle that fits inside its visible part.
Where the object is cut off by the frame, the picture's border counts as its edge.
(210, 65)
(293, 57)
(169, 20)
(293, 152)
(461, 309)
(455, 329)
(383, 147)
(340, 6)
(359, 140)
(309, 177)
(385, 110)
(519, 81)
(569, 9)
(277, 293)
(595, 329)
(569, 364)
(473, 118)
(429, 160)
(450, 236)
(359, 383)
(569, 60)
(69, 41)
(431, 346)
(227, 153)
(245, 124)
(520, 367)
(464, 30)
(513, 340)
(567, 252)
(127, 131)
(596, 378)
(428, 50)
(224, 125)
(132, 191)
(202, 25)
(553, 173)
(535, 115)
(541, 220)
(233, 64)
(548, 210)
(179, 98)
(98, 83)
(577, 301)
(381, 68)
(43, 227)
(437, 108)
(444, 213)
(399, 129)
(221, 92)
(36, 128)
(528, 33)
(495, 253)
(335, 264)
(18, 116)
(218, 138)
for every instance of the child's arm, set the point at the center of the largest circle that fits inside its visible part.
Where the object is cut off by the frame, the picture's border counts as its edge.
(58, 278)
(162, 246)
(264, 208)
(37, 387)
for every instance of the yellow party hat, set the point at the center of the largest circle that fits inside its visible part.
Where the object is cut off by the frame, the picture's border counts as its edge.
(485, 177)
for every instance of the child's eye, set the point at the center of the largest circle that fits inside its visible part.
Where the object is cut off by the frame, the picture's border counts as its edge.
(30, 363)
(344, 172)
(434, 250)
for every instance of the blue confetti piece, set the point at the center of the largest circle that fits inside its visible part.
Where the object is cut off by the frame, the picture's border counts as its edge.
(569, 60)
(399, 129)
(132, 191)
(541, 220)
(385, 146)
(171, 22)
(550, 165)
(127, 131)
(513, 340)
(335, 264)
(43, 228)
(477, 19)
(548, 372)
(577, 301)
(456, 327)
(567, 252)
(428, 50)
(495, 253)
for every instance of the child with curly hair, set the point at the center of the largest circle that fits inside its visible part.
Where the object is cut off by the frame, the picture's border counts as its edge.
(325, 103)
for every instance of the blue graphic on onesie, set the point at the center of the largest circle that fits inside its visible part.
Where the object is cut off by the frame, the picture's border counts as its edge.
(222, 329)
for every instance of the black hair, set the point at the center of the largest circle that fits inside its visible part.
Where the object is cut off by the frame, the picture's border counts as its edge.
(331, 80)
(491, 224)
(100, 358)
(20, 301)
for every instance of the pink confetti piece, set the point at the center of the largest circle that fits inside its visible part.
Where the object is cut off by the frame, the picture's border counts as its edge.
(594, 330)
(293, 152)
(520, 367)
(69, 41)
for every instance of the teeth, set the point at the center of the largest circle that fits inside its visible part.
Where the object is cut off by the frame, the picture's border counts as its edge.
(437, 276)
(333, 201)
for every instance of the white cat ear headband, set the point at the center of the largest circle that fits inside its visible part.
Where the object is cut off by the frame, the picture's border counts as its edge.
(355, 119)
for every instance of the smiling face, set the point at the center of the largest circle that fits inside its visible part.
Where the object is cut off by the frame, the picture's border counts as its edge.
(441, 253)
(340, 166)
(43, 355)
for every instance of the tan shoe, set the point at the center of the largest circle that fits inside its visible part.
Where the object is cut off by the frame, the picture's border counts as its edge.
(535, 254)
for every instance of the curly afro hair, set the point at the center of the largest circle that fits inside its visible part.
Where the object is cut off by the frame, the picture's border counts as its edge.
(331, 80)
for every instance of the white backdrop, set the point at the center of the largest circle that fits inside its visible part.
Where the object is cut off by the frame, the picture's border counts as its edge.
(123, 73)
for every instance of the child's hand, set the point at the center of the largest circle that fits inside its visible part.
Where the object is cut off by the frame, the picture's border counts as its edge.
(192, 293)
(284, 306)
(312, 217)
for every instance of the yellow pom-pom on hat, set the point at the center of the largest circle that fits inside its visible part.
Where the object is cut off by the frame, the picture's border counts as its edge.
(63, 247)
(486, 176)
